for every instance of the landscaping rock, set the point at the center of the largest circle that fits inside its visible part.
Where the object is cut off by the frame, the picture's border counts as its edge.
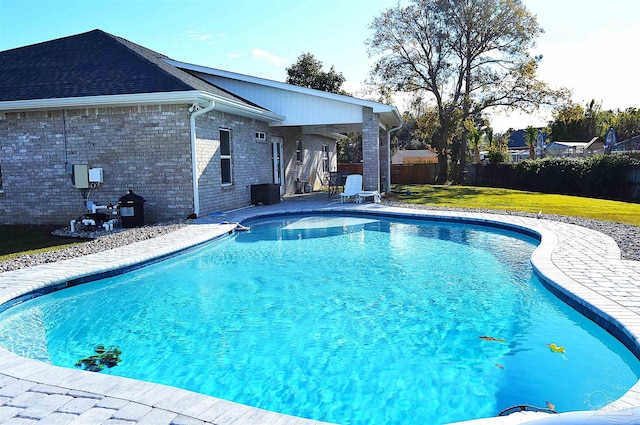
(100, 241)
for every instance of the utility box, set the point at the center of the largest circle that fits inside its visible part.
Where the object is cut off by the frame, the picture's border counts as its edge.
(131, 207)
(265, 194)
(81, 176)
(95, 175)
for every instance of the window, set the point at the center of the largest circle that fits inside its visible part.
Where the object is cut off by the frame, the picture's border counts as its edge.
(299, 152)
(0, 176)
(261, 136)
(325, 158)
(225, 156)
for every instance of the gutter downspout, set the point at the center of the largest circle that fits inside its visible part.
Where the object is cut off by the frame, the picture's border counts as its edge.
(389, 155)
(196, 112)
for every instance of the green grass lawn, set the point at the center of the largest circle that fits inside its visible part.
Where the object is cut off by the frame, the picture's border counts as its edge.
(506, 199)
(26, 239)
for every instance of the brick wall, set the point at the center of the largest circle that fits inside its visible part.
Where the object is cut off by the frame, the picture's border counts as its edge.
(143, 148)
(384, 160)
(371, 149)
(251, 160)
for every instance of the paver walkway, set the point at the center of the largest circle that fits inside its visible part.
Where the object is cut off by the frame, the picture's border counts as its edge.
(579, 262)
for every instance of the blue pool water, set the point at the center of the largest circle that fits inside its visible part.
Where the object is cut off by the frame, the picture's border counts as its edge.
(352, 320)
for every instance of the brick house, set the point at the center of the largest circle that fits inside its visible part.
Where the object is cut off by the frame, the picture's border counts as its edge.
(90, 116)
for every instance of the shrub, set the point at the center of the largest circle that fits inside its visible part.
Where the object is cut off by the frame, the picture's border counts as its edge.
(598, 176)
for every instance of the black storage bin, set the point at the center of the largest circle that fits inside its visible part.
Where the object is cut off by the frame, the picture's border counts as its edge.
(131, 207)
(265, 194)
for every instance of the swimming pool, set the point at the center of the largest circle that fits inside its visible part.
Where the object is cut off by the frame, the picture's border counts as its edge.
(302, 365)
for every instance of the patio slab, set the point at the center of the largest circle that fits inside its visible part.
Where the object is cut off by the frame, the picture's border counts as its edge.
(581, 265)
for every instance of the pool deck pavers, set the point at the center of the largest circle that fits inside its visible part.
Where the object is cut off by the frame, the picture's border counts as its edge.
(581, 265)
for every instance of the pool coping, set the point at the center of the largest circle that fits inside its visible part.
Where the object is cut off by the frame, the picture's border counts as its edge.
(582, 266)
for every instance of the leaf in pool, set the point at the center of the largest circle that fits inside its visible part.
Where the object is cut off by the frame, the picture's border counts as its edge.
(491, 338)
(555, 348)
(96, 363)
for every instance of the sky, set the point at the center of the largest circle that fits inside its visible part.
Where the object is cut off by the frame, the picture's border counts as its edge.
(588, 46)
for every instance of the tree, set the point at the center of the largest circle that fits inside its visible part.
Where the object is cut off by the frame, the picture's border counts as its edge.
(626, 123)
(468, 55)
(489, 132)
(307, 72)
(566, 122)
(573, 122)
(498, 152)
(420, 122)
(531, 136)
(350, 149)
(474, 143)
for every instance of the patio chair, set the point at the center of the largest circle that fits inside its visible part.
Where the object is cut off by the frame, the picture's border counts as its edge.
(333, 182)
(352, 186)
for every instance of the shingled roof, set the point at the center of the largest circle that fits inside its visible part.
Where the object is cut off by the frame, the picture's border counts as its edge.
(93, 64)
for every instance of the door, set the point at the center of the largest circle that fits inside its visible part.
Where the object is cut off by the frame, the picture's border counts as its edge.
(278, 169)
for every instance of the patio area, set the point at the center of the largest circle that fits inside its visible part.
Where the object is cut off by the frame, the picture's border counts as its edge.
(581, 265)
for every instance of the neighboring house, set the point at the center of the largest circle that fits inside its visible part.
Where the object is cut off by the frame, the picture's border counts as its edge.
(422, 156)
(518, 155)
(517, 141)
(90, 116)
(576, 149)
(517, 145)
(631, 145)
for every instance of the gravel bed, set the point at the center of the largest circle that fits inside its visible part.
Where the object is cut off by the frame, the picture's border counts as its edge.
(627, 236)
(100, 241)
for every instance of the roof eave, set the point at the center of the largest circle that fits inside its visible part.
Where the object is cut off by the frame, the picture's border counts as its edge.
(239, 108)
(102, 101)
(329, 135)
(379, 108)
(179, 97)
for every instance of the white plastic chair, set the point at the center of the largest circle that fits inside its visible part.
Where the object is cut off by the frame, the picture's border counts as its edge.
(352, 187)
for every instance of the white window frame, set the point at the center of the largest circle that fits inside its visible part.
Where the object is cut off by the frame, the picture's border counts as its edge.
(261, 136)
(299, 156)
(226, 157)
(325, 158)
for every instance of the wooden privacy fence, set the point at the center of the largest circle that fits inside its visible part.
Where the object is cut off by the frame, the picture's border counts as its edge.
(400, 173)
(494, 176)
(631, 187)
(348, 168)
(625, 187)
(414, 173)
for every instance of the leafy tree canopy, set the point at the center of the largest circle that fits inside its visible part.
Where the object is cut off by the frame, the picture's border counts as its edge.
(307, 72)
(466, 55)
(574, 122)
(419, 124)
(626, 123)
